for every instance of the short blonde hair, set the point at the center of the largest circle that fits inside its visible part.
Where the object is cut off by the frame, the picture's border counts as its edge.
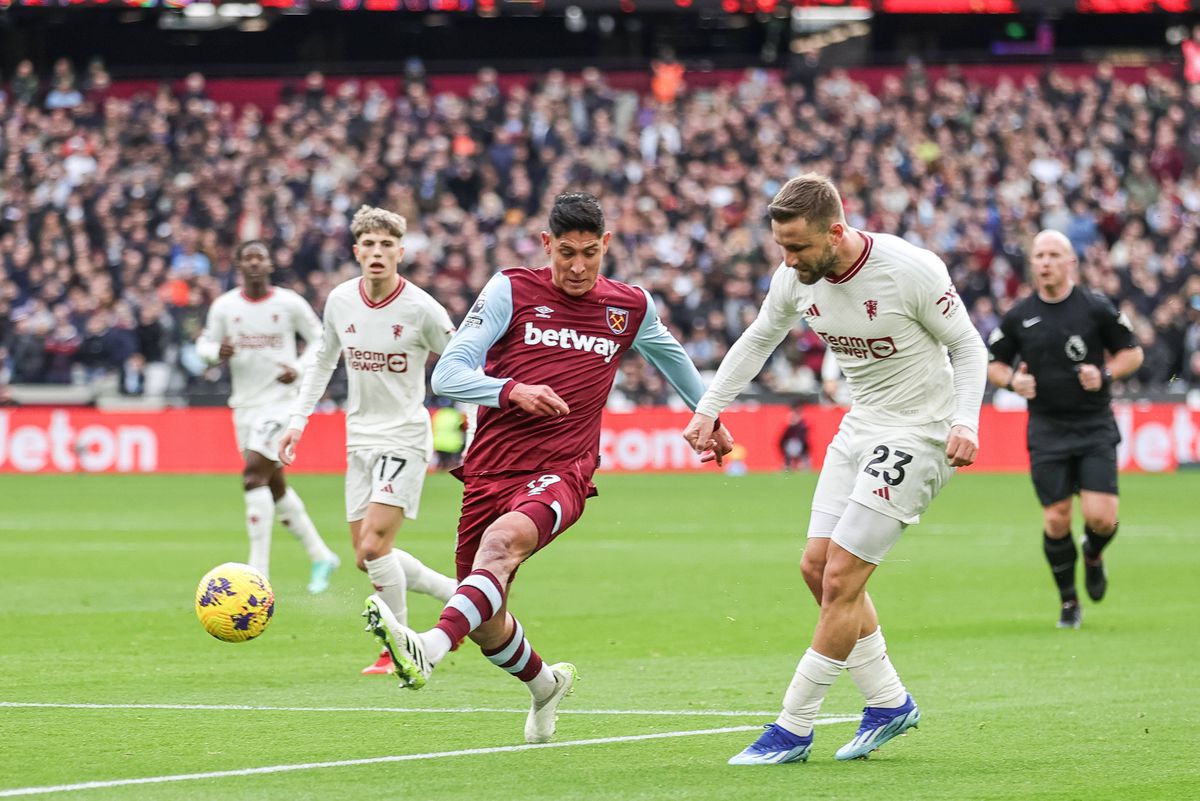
(369, 219)
(810, 196)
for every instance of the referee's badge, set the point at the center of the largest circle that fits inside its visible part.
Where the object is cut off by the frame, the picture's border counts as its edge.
(1076, 348)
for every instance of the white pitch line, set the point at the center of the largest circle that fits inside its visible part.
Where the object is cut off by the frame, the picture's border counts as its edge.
(342, 763)
(717, 713)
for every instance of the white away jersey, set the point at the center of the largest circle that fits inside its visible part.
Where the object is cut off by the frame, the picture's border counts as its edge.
(888, 321)
(263, 334)
(386, 345)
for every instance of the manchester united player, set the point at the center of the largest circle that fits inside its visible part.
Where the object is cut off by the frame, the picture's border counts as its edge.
(890, 315)
(254, 329)
(386, 328)
(549, 342)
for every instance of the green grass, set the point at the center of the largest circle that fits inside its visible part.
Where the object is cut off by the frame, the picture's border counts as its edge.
(673, 593)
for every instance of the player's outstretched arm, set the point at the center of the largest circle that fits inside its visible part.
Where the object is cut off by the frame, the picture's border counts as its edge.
(779, 313)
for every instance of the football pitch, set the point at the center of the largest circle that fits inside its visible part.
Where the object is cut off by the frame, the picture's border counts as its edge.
(680, 601)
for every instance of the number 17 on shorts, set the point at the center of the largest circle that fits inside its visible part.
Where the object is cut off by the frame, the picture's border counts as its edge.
(388, 478)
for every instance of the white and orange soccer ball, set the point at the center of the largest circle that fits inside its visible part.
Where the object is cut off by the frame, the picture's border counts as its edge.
(234, 602)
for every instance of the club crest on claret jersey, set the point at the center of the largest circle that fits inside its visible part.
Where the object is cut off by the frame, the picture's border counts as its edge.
(617, 319)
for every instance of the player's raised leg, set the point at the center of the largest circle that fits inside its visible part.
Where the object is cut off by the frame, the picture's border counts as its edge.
(419, 578)
(478, 609)
(478, 598)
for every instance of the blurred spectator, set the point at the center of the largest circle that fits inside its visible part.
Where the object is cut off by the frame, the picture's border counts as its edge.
(25, 84)
(29, 352)
(667, 80)
(64, 95)
(794, 441)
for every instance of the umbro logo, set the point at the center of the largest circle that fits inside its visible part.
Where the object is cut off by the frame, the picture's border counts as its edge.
(544, 312)
(1032, 321)
(350, 329)
(883, 492)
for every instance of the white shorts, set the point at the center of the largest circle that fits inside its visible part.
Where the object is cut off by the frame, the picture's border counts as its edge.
(259, 429)
(391, 477)
(895, 471)
(863, 532)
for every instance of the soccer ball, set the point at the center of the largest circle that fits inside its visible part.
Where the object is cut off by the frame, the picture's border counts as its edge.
(234, 602)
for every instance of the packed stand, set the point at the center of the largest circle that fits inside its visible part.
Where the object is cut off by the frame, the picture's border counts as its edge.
(118, 217)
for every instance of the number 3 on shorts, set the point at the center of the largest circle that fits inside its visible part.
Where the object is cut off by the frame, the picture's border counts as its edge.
(882, 454)
(386, 463)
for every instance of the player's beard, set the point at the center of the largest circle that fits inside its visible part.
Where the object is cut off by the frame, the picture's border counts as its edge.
(823, 267)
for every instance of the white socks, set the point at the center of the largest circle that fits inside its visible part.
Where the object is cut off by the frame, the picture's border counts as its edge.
(387, 575)
(437, 645)
(542, 685)
(260, 516)
(292, 514)
(873, 672)
(425, 580)
(804, 695)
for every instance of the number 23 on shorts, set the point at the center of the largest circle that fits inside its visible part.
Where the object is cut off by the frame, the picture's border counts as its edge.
(891, 474)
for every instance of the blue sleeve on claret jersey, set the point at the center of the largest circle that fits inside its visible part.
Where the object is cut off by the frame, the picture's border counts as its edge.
(663, 350)
(458, 374)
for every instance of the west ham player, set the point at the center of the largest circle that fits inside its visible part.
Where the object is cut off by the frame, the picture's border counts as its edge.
(385, 327)
(549, 342)
(1061, 335)
(254, 328)
(889, 313)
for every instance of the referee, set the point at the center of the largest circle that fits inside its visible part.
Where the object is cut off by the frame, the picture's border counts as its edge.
(1061, 334)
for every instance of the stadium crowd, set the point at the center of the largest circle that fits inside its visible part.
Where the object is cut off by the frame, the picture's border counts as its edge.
(118, 216)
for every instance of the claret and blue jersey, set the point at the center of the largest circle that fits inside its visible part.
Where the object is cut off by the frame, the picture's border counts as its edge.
(523, 329)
